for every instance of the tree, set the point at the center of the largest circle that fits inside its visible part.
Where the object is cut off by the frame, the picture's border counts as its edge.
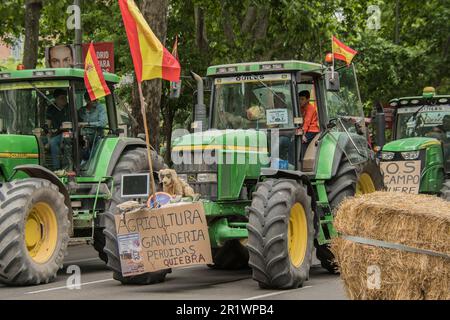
(155, 12)
(31, 47)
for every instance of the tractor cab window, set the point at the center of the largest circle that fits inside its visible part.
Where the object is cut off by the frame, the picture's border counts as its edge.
(346, 105)
(92, 121)
(346, 115)
(39, 108)
(424, 121)
(253, 102)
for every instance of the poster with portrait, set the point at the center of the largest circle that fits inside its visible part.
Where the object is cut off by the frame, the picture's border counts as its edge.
(61, 56)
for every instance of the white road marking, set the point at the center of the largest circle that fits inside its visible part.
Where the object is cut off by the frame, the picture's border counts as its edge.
(65, 287)
(276, 293)
(91, 282)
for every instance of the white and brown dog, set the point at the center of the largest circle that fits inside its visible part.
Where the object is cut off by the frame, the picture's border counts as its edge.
(174, 185)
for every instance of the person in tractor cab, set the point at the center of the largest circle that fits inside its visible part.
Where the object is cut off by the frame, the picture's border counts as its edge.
(93, 119)
(310, 120)
(56, 114)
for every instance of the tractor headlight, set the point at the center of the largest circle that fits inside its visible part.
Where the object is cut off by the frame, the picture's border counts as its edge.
(411, 155)
(387, 155)
(207, 177)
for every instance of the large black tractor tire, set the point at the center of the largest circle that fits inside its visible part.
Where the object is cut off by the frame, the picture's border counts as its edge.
(131, 161)
(233, 255)
(445, 191)
(99, 244)
(281, 234)
(349, 181)
(34, 232)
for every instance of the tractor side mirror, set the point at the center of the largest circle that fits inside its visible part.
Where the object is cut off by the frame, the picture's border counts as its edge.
(332, 82)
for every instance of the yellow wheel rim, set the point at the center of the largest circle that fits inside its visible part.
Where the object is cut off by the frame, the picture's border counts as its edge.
(365, 185)
(297, 235)
(41, 232)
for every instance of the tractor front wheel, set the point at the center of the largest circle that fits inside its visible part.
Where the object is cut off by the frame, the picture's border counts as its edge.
(349, 181)
(131, 161)
(233, 255)
(34, 232)
(281, 234)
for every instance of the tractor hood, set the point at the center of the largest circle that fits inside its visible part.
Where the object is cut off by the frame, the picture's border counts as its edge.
(410, 144)
(17, 150)
(239, 140)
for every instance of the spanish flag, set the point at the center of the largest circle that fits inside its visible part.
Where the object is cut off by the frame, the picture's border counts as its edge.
(151, 60)
(342, 52)
(93, 76)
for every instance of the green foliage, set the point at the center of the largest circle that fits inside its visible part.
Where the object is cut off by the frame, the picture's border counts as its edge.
(250, 30)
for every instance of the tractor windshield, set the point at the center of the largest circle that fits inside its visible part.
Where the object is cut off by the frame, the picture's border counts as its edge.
(430, 121)
(23, 105)
(253, 101)
(346, 105)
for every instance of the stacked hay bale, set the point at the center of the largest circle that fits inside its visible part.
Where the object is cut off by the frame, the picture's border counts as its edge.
(394, 246)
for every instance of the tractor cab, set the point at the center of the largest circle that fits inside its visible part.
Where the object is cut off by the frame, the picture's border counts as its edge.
(420, 136)
(261, 100)
(44, 120)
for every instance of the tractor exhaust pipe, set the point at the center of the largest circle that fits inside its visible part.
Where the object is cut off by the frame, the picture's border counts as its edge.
(380, 121)
(200, 107)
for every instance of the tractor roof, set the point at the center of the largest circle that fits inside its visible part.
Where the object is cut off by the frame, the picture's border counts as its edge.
(49, 74)
(266, 66)
(419, 100)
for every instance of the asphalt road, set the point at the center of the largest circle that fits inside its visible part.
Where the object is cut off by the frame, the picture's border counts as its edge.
(195, 283)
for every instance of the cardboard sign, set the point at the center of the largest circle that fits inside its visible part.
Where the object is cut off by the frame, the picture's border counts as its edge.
(105, 55)
(170, 237)
(402, 176)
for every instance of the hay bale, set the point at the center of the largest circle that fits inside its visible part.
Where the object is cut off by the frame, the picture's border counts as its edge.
(417, 221)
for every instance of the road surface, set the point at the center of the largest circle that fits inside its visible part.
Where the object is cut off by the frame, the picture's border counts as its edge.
(192, 283)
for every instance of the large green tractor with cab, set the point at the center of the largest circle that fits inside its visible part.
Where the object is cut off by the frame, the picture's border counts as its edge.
(268, 199)
(53, 191)
(417, 160)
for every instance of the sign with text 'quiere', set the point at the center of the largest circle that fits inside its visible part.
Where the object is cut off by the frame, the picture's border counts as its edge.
(170, 237)
(401, 176)
(105, 55)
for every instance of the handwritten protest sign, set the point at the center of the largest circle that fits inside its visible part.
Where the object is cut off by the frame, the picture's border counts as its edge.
(401, 176)
(169, 237)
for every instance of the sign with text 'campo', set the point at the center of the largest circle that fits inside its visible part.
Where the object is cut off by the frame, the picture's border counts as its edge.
(169, 237)
(401, 176)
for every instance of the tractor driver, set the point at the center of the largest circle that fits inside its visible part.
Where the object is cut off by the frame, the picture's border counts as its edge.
(310, 120)
(94, 117)
(57, 113)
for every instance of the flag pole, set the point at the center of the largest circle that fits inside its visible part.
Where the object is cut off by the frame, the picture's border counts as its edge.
(147, 140)
(332, 53)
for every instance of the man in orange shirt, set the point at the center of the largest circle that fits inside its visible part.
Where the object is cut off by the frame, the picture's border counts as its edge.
(310, 119)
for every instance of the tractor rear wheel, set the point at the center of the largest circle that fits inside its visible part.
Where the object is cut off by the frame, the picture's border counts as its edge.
(281, 234)
(233, 255)
(131, 161)
(445, 191)
(349, 181)
(99, 244)
(34, 232)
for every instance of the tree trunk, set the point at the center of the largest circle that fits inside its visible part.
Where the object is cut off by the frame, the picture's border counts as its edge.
(169, 115)
(32, 16)
(155, 12)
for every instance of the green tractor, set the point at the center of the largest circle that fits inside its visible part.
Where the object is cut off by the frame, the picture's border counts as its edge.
(40, 210)
(417, 160)
(268, 200)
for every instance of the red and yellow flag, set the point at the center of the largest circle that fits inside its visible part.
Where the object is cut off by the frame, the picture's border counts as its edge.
(342, 52)
(151, 60)
(93, 76)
